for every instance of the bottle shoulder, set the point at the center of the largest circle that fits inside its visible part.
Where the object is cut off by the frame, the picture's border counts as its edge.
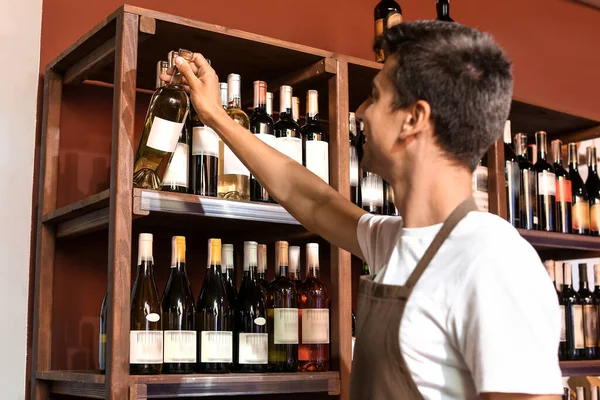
(313, 131)
(287, 128)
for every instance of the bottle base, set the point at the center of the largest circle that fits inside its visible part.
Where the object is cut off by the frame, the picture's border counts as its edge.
(146, 179)
(283, 367)
(313, 366)
(145, 369)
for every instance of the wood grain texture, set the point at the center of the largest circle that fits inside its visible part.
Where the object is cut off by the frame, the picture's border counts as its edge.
(45, 246)
(497, 179)
(78, 208)
(341, 277)
(580, 368)
(87, 223)
(586, 134)
(147, 25)
(78, 389)
(94, 61)
(120, 214)
(325, 67)
(72, 376)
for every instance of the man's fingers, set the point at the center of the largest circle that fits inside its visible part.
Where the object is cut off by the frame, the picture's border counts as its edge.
(204, 68)
(188, 73)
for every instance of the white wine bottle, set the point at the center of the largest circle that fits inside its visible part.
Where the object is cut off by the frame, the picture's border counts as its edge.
(287, 132)
(251, 343)
(315, 141)
(146, 335)
(214, 317)
(234, 177)
(166, 116)
(179, 315)
(229, 272)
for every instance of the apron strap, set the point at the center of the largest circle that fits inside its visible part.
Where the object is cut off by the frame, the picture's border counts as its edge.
(455, 217)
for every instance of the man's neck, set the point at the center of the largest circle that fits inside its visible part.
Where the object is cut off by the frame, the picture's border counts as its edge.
(431, 193)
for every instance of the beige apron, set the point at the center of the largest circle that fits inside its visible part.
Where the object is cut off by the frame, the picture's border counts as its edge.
(379, 371)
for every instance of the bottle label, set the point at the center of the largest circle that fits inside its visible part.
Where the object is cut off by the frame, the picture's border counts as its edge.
(177, 171)
(581, 214)
(371, 188)
(231, 164)
(217, 347)
(205, 141)
(546, 183)
(254, 348)
(180, 347)
(145, 347)
(513, 191)
(353, 167)
(528, 201)
(164, 134)
(563, 328)
(291, 147)
(285, 321)
(595, 218)
(590, 321)
(268, 139)
(563, 190)
(578, 326)
(315, 326)
(317, 158)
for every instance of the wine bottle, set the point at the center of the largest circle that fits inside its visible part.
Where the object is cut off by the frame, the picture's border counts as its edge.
(102, 341)
(354, 172)
(550, 268)
(528, 183)
(573, 315)
(176, 177)
(590, 315)
(296, 109)
(532, 153)
(387, 14)
(162, 68)
(262, 269)
(353, 332)
(146, 335)
(365, 269)
(580, 393)
(315, 141)
(480, 185)
(234, 177)
(214, 318)
(597, 296)
(511, 175)
(581, 207)
(224, 94)
(282, 310)
(564, 195)
(371, 193)
(287, 132)
(179, 315)
(443, 10)
(592, 185)
(270, 105)
(389, 207)
(313, 299)
(294, 265)
(205, 158)
(261, 125)
(165, 118)
(252, 340)
(227, 257)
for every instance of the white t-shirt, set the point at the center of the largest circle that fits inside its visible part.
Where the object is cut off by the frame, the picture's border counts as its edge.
(484, 316)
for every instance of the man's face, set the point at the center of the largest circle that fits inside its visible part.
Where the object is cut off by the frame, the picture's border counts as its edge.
(382, 124)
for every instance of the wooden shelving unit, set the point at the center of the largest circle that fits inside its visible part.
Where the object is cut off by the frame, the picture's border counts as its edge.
(121, 53)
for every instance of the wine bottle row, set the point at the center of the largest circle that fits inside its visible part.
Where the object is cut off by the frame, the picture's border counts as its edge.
(579, 335)
(282, 326)
(548, 197)
(582, 393)
(178, 153)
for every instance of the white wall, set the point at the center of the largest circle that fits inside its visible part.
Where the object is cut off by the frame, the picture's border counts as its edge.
(20, 26)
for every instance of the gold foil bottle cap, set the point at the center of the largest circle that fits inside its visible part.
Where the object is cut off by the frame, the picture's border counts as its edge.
(214, 252)
(178, 250)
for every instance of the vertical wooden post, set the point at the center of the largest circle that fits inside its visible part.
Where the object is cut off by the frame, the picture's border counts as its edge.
(341, 277)
(120, 214)
(45, 242)
(496, 179)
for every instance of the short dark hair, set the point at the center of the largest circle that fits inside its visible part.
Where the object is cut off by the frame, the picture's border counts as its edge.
(464, 76)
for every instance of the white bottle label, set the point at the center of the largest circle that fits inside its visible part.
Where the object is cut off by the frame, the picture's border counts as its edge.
(353, 167)
(205, 141)
(285, 325)
(254, 348)
(578, 326)
(371, 188)
(317, 158)
(164, 134)
(563, 329)
(145, 347)
(217, 347)
(177, 172)
(232, 165)
(266, 138)
(315, 326)
(291, 147)
(546, 183)
(180, 347)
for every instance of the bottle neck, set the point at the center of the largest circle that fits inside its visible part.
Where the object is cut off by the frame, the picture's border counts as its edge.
(146, 268)
(443, 9)
(583, 281)
(313, 272)
(236, 102)
(591, 160)
(250, 273)
(282, 270)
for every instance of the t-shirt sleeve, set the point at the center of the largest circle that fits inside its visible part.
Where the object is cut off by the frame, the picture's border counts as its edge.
(376, 236)
(506, 324)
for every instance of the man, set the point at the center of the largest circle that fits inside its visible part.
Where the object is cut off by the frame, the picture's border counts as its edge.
(471, 313)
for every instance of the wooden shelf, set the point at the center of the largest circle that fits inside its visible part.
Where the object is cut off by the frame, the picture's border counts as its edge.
(568, 245)
(579, 368)
(92, 384)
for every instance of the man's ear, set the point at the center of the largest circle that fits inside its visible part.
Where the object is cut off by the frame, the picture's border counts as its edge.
(416, 120)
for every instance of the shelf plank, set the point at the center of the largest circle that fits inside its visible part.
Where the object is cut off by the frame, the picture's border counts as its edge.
(553, 240)
(161, 386)
(78, 208)
(580, 368)
(88, 384)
